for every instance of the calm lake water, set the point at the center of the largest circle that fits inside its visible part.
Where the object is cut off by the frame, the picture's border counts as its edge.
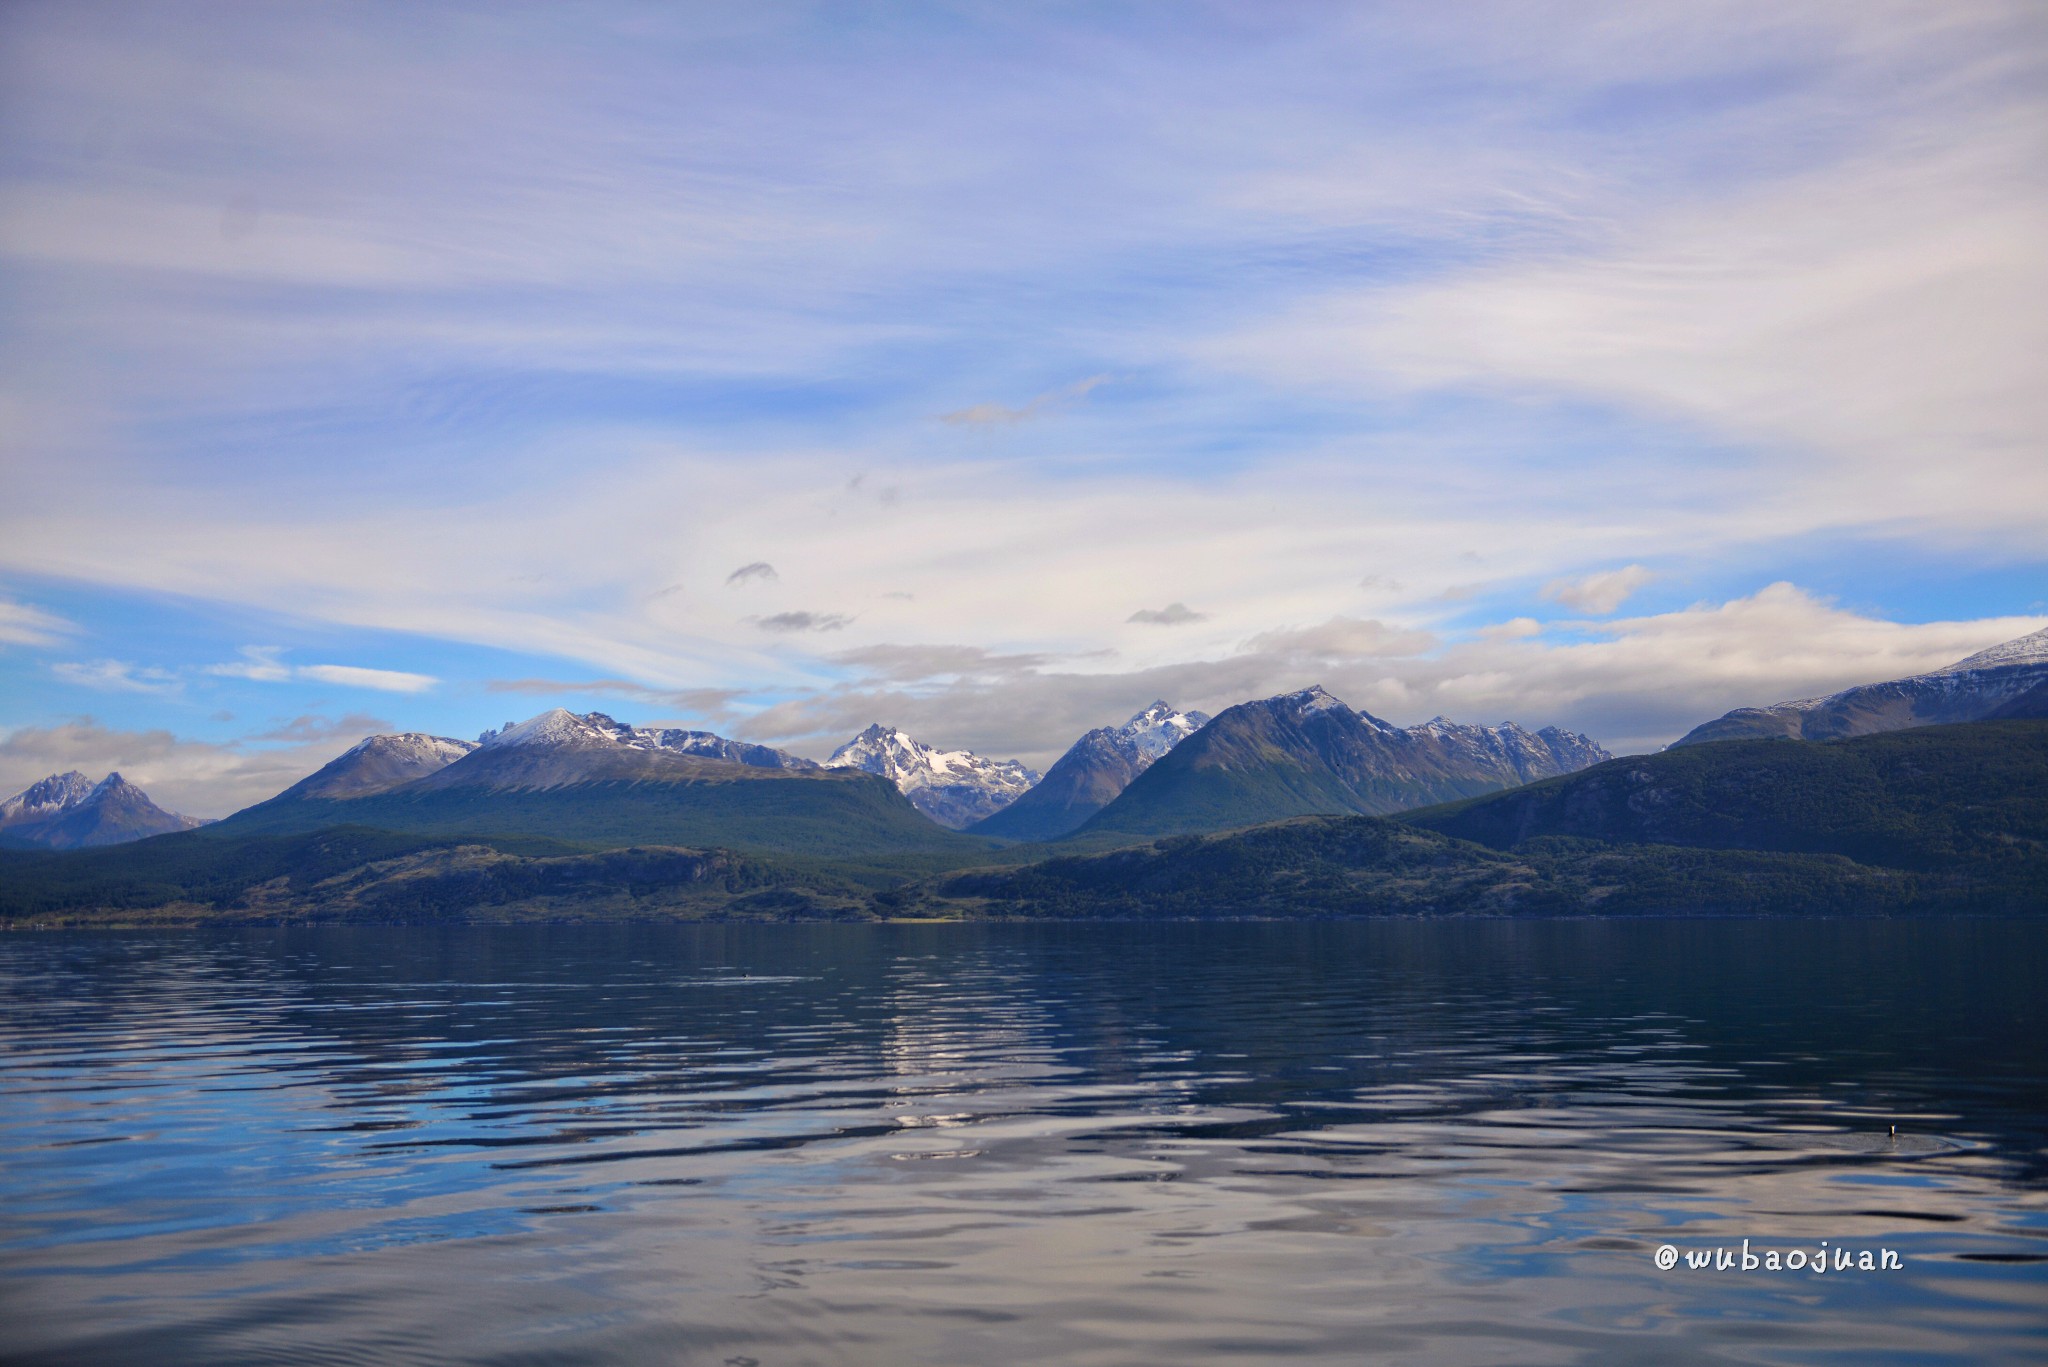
(1404, 1142)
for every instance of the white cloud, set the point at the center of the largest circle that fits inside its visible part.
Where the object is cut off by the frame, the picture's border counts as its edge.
(22, 625)
(260, 663)
(1634, 684)
(116, 676)
(1870, 335)
(1799, 241)
(264, 664)
(355, 676)
(1172, 615)
(197, 778)
(1599, 593)
(995, 414)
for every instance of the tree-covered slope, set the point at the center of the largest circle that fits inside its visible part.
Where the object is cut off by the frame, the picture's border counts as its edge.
(1306, 753)
(834, 813)
(1933, 798)
(1368, 866)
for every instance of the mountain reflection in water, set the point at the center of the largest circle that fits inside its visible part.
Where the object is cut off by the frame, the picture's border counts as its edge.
(1417, 1142)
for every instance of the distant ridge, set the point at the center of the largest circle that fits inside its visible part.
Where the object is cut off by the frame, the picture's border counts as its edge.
(1973, 689)
(955, 788)
(67, 812)
(598, 783)
(1090, 775)
(1307, 753)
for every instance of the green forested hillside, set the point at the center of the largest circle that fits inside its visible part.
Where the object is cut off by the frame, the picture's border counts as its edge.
(836, 815)
(1932, 799)
(1365, 866)
(1942, 819)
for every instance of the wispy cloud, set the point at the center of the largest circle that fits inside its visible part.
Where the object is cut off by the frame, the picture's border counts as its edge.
(910, 663)
(805, 621)
(759, 570)
(1172, 615)
(702, 702)
(1599, 593)
(116, 676)
(23, 625)
(356, 676)
(1707, 291)
(995, 414)
(309, 729)
(265, 664)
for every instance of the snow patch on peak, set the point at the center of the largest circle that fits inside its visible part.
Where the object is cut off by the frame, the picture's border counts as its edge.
(1154, 731)
(556, 726)
(414, 745)
(953, 787)
(563, 727)
(112, 783)
(1314, 698)
(2031, 649)
(46, 797)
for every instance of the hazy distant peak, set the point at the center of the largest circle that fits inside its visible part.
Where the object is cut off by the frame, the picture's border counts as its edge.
(46, 796)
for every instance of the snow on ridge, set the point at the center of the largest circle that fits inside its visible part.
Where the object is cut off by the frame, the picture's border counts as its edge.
(47, 796)
(444, 748)
(1152, 732)
(559, 726)
(2031, 649)
(912, 765)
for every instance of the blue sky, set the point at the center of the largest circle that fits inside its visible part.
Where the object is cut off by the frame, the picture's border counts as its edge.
(424, 366)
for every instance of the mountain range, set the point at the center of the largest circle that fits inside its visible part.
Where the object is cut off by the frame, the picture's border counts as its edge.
(592, 781)
(70, 811)
(1282, 799)
(2009, 680)
(1306, 753)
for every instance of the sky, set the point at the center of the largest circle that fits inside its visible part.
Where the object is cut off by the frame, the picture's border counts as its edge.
(991, 370)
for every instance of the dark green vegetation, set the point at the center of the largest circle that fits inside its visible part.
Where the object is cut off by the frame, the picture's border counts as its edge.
(353, 873)
(1940, 818)
(1327, 866)
(1939, 798)
(838, 814)
(1951, 818)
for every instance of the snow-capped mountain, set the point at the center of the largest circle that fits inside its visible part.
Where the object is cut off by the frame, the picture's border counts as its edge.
(1991, 682)
(54, 814)
(560, 726)
(1513, 753)
(1305, 753)
(376, 764)
(955, 788)
(45, 797)
(1092, 772)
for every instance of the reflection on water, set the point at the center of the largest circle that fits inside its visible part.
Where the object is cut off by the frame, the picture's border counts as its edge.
(1408, 1142)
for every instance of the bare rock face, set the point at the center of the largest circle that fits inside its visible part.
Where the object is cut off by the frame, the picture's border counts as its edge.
(1990, 684)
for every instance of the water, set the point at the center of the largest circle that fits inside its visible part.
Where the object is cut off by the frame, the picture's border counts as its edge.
(1397, 1142)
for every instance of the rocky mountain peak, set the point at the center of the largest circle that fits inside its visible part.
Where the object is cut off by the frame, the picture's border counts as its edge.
(46, 796)
(953, 787)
